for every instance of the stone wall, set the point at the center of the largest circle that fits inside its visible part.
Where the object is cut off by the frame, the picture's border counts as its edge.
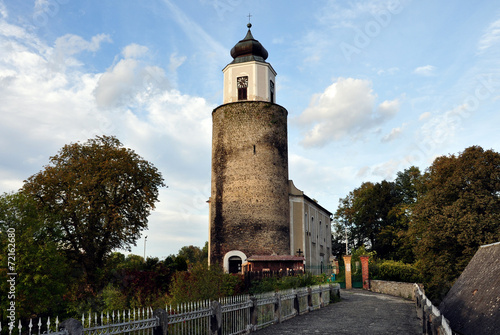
(249, 207)
(398, 289)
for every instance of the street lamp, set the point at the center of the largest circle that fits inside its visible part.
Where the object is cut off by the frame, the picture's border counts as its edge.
(145, 239)
(346, 241)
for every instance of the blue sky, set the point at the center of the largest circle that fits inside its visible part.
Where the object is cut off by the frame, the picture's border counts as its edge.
(371, 87)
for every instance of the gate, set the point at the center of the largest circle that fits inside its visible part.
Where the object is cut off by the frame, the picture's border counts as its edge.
(356, 277)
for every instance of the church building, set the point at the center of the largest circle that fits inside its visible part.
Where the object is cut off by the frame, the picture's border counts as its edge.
(258, 219)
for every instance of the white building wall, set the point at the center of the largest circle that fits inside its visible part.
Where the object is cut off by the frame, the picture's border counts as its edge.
(259, 76)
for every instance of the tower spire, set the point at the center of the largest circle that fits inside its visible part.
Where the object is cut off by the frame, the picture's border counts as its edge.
(249, 76)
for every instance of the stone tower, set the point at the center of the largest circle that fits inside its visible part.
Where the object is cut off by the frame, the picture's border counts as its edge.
(249, 206)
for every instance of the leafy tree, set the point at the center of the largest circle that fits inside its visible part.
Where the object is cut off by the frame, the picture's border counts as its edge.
(408, 187)
(95, 197)
(194, 254)
(176, 263)
(366, 213)
(43, 273)
(459, 212)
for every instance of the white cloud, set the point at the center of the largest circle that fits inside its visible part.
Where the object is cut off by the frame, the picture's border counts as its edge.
(441, 129)
(3, 11)
(387, 170)
(174, 64)
(130, 81)
(346, 109)
(69, 45)
(44, 108)
(426, 71)
(390, 71)
(388, 108)
(118, 84)
(318, 179)
(424, 116)
(490, 37)
(395, 133)
(134, 51)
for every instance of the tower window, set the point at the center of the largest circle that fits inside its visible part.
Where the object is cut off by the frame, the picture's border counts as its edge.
(242, 83)
(271, 87)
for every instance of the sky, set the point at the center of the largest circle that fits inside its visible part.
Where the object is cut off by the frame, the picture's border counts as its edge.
(371, 88)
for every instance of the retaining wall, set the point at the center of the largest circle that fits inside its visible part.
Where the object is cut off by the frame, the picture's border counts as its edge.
(398, 289)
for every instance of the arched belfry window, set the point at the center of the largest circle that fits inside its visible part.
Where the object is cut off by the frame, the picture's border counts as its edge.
(242, 83)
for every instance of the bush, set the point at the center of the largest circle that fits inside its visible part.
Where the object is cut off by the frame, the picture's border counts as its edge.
(203, 283)
(288, 282)
(114, 299)
(395, 271)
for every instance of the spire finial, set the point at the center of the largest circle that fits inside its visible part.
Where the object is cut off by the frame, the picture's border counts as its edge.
(249, 25)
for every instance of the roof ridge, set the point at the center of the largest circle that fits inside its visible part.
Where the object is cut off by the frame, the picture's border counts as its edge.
(489, 245)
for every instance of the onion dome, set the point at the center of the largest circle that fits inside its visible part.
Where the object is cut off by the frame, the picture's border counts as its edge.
(248, 49)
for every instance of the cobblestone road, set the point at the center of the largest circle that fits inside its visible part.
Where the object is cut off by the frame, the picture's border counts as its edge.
(358, 312)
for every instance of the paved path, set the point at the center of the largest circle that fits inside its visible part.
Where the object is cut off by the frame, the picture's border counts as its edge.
(358, 312)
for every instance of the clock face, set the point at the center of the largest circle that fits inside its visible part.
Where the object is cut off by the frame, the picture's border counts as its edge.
(242, 82)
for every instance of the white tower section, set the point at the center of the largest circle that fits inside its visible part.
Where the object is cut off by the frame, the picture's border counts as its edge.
(249, 77)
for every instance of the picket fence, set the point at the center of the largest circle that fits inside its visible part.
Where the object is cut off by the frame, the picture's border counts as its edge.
(228, 316)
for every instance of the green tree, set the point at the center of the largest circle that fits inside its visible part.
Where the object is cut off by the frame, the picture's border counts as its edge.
(459, 212)
(408, 187)
(193, 254)
(366, 213)
(95, 197)
(43, 272)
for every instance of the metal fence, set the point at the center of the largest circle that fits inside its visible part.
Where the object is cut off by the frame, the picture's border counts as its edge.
(132, 322)
(32, 328)
(244, 314)
(135, 322)
(228, 316)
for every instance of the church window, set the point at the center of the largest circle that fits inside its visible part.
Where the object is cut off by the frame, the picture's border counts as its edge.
(271, 87)
(242, 83)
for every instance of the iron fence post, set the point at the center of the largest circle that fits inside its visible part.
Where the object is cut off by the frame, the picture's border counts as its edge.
(216, 318)
(296, 303)
(162, 328)
(309, 299)
(72, 327)
(277, 307)
(254, 314)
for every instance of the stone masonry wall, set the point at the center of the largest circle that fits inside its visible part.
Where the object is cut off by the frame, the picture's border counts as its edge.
(249, 207)
(398, 289)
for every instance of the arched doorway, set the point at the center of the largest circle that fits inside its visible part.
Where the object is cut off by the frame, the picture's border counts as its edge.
(235, 264)
(233, 261)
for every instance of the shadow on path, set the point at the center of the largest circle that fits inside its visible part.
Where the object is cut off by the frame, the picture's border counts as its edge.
(359, 312)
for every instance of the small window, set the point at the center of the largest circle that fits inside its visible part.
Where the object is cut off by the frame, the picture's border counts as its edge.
(242, 84)
(313, 231)
(271, 87)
